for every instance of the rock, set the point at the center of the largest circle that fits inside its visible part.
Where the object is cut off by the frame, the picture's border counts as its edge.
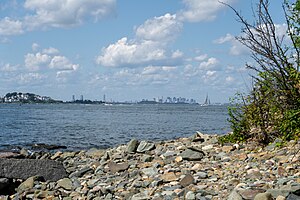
(140, 196)
(234, 196)
(9, 155)
(192, 155)
(81, 172)
(207, 147)
(25, 168)
(250, 193)
(65, 183)
(190, 195)
(95, 153)
(132, 146)
(42, 146)
(151, 171)
(201, 175)
(293, 197)
(280, 198)
(114, 167)
(24, 152)
(263, 196)
(168, 177)
(29, 183)
(145, 146)
(187, 180)
(278, 192)
(197, 138)
(178, 159)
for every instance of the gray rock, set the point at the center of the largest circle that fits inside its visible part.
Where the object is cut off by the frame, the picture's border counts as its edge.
(81, 172)
(28, 184)
(201, 175)
(114, 167)
(263, 196)
(190, 195)
(187, 180)
(132, 146)
(278, 192)
(25, 168)
(145, 146)
(65, 183)
(234, 196)
(140, 196)
(293, 197)
(192, 155)
(151, 171)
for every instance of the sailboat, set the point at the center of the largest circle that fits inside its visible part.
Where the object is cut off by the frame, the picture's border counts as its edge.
(206, 102)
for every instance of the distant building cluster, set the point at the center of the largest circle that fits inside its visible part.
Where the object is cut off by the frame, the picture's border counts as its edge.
(18, 97)
(170, 100)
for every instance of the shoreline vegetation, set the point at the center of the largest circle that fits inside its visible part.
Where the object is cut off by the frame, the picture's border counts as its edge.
(198, 167)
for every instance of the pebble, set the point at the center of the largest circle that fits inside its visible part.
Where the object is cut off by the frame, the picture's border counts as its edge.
(186, 168)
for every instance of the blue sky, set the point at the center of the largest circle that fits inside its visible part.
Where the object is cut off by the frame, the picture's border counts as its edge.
(127, 50)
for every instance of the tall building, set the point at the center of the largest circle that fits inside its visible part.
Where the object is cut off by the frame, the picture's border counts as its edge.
(81, 97)
(73, 98)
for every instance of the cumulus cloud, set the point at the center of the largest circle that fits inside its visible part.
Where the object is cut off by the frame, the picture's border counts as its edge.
(149, 47)
(8, 67)
(34, 62)
(56, 14)
(201, 10)
(9, 27)
(209, 64)
(48, 59)
(162, 29)
(66, 13)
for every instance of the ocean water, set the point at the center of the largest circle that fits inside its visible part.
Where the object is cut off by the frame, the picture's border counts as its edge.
(86, 126)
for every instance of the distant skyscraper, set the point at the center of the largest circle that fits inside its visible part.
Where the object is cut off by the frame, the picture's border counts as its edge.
(104, 98)
(73, 98)
(81, 97)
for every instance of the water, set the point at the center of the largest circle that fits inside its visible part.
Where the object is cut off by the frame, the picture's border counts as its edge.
(86, 126)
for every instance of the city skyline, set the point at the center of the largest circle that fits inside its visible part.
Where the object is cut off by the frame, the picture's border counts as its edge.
(128, 50)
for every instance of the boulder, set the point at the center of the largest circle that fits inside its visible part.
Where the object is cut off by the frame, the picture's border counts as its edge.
(192, 155)
(114, 167)
(145, 146)
(187, 180)
(132, 146)
(25, 168)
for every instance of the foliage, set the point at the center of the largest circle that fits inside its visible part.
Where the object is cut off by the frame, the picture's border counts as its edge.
(272, 109)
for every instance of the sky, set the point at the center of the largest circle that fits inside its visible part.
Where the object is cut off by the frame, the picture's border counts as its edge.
(128, 50)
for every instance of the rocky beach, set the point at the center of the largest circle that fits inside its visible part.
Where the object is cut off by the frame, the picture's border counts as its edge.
(197, 167)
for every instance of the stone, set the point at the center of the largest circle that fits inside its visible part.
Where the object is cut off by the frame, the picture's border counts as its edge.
(207, 147)
(151, 171)
(234, 196)
(190, 195)
(197, 138)
(140, 196)
(192, 155)
(114, 167)
(95, 153)
(9, 155)
(263, 196)
(65, 183)
(187, 180)
(280, 198)
(24, 152)
(293, 197)
(28, 183)
(168, 177)
(178, 159)
(132, 146)
(278, 192)
(25, 168)
(145, 146)
(201, 175)
(81, 172)
(250, 193)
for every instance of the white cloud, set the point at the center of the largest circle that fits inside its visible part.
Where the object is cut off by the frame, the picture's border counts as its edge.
(211, 63)
(34, 62)
(227, 38)
(162, 29)
(48, 59)
(66, 13)
(30, 78)
(9, 26)
(56, 13)
(35, 47)
(149, 47)
(201, 10)
(124, 52)
(201, 57)
(62, 63)
(9, 68)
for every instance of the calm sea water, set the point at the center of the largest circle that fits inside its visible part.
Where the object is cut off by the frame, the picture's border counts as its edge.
(87, 126)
